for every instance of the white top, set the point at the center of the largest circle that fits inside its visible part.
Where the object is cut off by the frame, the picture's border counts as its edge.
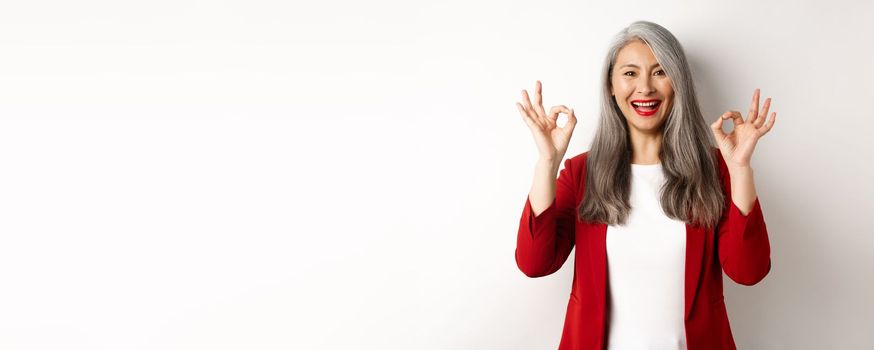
(646, 261)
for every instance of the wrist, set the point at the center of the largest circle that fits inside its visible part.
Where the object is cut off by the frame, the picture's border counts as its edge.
(549, 163)
(738, 169)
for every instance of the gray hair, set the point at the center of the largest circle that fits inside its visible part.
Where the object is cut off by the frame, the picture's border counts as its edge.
(692, 190)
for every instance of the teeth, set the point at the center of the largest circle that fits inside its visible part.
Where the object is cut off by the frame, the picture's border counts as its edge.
(645, 104)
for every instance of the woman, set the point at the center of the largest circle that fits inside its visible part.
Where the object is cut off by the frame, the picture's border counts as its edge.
(656, 213)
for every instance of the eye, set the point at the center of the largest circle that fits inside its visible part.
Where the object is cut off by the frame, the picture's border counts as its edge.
(629, 73)
(660, 72)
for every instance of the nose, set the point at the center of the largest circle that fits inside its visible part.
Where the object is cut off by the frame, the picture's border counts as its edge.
(644, 85)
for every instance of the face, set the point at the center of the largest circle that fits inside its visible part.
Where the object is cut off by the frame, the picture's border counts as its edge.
(641, 88)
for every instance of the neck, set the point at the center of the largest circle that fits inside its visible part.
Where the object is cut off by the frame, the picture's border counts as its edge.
(645, 147)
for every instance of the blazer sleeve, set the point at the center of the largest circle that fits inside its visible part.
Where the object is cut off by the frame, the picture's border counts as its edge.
(545, 241)
(744, 248)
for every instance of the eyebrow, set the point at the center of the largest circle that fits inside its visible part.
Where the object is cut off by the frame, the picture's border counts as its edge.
(635, 66)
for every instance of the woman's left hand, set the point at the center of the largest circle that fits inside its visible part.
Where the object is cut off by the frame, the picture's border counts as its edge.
(737, 147)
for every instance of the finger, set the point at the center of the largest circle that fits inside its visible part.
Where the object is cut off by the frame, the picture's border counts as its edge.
(769, 124)
(735, 116)
(529, 116)
(754, 107)
(533, 106)
(524, 114)
(526, 102)
(760, 120)
(530, 108)
(554, 111)
(717, 126)
(568, 128)
(538, 98)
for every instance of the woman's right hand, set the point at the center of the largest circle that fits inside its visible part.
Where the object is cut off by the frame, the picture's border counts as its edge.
(552, 141)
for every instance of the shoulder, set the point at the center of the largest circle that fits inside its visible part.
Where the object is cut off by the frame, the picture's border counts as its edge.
(575, 168)
(576, 165)
(579, 158)
(578, 161)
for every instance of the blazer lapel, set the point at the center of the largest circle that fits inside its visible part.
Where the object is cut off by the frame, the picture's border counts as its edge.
(694, 256)
(598, 254)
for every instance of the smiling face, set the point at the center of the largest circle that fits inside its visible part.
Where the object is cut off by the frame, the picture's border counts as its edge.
(641, 88)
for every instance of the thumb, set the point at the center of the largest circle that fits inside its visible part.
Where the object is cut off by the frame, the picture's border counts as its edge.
(716, 127)
(571, 120)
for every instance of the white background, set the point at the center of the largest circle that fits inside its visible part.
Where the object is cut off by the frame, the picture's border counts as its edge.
(350, 175)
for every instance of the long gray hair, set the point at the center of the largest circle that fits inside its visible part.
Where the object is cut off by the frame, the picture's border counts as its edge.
(692, 190)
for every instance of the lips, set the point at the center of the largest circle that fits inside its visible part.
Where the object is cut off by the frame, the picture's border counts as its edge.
(646, 108)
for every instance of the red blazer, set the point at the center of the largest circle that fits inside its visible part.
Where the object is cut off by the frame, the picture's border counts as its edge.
(739, 246)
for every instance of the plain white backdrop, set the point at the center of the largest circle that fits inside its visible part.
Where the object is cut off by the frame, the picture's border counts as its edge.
(350, 175)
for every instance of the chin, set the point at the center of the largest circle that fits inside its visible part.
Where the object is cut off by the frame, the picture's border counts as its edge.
(648, 125)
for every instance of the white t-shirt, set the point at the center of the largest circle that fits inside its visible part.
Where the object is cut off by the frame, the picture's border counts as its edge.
(646, 261)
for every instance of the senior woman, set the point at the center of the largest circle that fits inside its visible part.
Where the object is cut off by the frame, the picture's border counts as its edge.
(656, 213)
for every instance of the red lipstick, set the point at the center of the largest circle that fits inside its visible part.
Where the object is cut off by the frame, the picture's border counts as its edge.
(646, 108)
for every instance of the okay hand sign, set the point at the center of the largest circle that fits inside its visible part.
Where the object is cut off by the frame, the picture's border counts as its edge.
(737, 147)
(552, 141)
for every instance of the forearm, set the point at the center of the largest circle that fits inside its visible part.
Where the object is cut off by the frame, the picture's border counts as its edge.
(542, 191)
(743, 188)
(744, 249)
